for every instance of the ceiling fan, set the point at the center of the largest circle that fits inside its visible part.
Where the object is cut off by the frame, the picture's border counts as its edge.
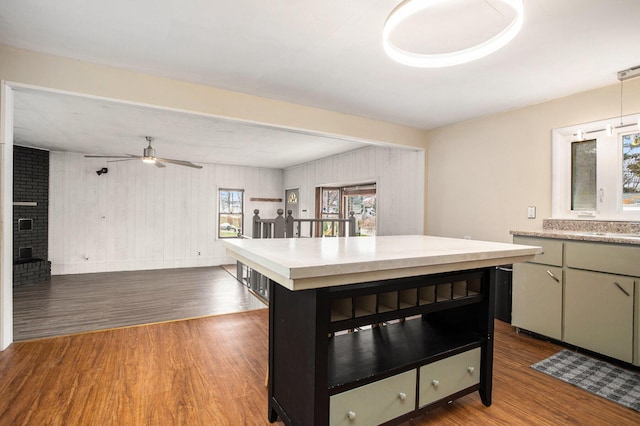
(148, 156)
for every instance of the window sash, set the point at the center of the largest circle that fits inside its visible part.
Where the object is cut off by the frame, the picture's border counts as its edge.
(230, 212)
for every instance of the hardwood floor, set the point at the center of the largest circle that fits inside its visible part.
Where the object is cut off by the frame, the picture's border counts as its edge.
(524, 396)
(86, 302)
(206, 371)
(210, 371)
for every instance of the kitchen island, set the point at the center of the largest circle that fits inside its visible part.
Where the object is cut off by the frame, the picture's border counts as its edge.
(370, 330)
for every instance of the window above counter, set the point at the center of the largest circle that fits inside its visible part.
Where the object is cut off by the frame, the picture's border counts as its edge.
(596, 170)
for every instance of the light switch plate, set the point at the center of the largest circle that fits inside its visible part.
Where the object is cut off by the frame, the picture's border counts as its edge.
(531, 212)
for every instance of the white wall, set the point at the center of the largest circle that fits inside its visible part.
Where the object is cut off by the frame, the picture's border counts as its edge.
(6, 216)
(141, 217)
(482, 174)
(138, 216)
(398, 173)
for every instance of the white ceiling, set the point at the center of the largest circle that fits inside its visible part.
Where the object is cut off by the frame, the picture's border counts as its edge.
(61, 122)
(326, 54)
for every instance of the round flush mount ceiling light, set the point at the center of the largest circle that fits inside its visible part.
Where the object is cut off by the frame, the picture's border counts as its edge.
(408, 8)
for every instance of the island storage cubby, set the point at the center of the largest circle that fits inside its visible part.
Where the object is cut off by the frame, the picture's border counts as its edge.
(379, 352)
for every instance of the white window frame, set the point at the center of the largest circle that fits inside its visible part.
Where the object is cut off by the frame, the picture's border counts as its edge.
(221, 189)
(608, 169)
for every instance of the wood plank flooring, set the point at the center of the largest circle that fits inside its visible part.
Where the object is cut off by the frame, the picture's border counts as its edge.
(524, 396)
(78, 303)
(210, 371)
(205, 371)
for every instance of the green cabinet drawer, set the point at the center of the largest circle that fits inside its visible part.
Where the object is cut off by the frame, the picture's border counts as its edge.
(374, 403)
(442, 378)
(551, 249)
(612, 258)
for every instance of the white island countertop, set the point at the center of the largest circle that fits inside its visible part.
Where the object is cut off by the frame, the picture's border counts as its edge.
(303, 263)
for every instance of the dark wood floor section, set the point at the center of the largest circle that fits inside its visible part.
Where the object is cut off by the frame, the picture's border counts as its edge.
(78, 303)
(210, 371)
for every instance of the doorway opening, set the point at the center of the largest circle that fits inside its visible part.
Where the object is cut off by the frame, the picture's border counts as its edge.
(337, 203)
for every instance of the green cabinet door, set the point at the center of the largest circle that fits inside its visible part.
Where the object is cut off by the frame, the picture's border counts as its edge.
(537, 299)
(598, 313)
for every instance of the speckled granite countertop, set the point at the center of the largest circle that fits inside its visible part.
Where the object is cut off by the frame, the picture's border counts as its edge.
(591, 230)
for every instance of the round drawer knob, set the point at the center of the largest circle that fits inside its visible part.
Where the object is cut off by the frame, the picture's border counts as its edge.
(471, 369)
(351, 415)
(402, 396)
(435, 383)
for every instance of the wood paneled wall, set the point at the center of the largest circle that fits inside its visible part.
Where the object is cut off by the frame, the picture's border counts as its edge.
(138, 216)
(398, 173)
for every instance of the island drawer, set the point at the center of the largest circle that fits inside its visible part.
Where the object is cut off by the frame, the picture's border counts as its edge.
(374, 403)
(448, 376)
(551, 249)
(612, 258)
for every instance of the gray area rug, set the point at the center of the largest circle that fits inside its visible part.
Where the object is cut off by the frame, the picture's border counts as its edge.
(598, 377)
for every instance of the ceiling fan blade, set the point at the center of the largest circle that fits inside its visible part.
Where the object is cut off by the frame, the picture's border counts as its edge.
(179, 162)
(106, 156)
(121, 159)
(159, 164)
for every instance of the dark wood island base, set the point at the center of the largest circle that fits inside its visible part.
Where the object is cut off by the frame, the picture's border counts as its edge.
(322, 373)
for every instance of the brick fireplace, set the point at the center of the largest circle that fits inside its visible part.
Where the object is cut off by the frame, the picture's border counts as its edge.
(30, 216)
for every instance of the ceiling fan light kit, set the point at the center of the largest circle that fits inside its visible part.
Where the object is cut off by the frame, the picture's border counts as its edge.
(408, 8)
(149, 154)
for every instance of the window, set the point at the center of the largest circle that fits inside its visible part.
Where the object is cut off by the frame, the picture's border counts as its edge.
(330, 203)
(230, 212)
(583, 175)
(361, 200)
(329, 207)
(596, 174)
(631, 172)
